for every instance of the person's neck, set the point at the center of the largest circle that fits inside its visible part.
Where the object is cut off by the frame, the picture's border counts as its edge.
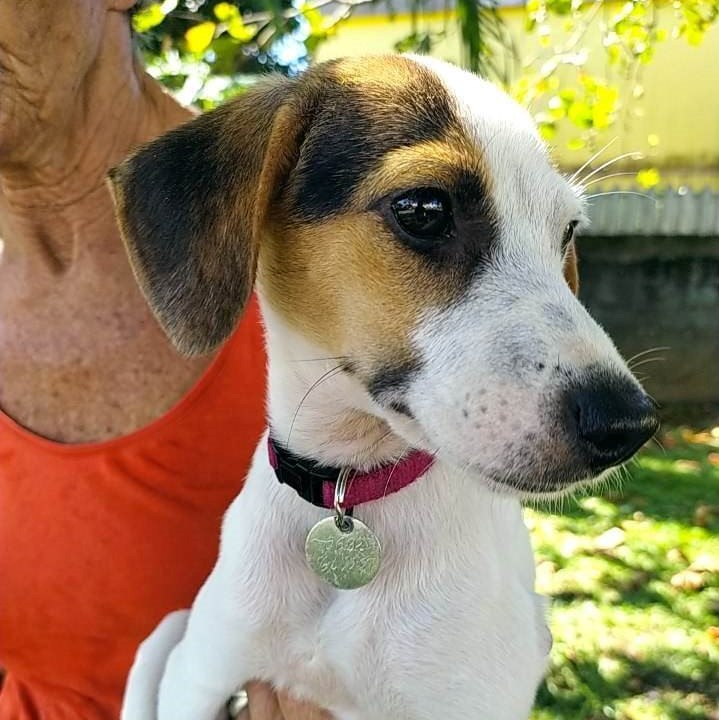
(55, 207)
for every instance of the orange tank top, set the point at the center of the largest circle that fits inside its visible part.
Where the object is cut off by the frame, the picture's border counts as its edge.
(99, 541)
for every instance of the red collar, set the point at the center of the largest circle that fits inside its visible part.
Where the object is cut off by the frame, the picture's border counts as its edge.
(315, 483)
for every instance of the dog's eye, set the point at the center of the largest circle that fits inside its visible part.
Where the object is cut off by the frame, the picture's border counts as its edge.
(568, 234)
(424, 213)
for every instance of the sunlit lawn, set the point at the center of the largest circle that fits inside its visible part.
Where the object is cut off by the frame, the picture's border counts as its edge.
(634, 581)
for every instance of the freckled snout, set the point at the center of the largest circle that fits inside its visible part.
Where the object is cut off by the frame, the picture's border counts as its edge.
(611, 418)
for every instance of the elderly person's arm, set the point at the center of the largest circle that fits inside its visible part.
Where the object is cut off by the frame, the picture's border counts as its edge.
(90, 388)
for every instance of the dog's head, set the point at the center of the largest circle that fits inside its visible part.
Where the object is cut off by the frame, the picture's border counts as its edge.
(402, 214)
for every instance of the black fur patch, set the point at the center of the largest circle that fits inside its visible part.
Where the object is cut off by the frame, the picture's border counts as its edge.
(401, 407)
(186, 204)
(169, 204)
(355, 127)
(391, 382)
(476, 219)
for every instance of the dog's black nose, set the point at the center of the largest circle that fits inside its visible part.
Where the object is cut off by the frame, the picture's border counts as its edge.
(614, 418)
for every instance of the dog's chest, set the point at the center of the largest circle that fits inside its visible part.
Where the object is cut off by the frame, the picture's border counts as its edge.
(312, 656)
(376, 658)
(450, 612)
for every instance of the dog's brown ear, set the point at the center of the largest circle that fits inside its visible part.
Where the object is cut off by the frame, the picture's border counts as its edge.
(190, 206)
(571, 269)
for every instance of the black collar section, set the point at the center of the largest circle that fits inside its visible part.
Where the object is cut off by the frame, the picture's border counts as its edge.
(304, 475)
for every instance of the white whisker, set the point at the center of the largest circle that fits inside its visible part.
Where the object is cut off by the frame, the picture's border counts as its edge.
(658, 443)
(321, 359)
(634, 155)
(646, 352)
(325, 376)
(605, 177)
(391, 472)
(622, 192)
(591, 160)
(646, 360)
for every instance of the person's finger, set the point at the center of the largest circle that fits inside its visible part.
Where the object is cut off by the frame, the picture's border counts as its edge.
(262, 703)
(291, 709)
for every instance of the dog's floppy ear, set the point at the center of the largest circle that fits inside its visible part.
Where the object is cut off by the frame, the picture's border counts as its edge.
(190, 206)
(571, 269)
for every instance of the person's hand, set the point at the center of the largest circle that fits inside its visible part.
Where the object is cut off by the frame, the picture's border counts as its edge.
(265, 704)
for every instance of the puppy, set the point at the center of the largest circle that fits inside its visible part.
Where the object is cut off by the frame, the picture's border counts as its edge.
(412, 248)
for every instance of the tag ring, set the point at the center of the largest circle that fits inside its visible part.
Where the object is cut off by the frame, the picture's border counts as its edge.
(342, 521)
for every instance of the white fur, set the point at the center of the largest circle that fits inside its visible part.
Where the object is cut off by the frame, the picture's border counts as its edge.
(451, 628)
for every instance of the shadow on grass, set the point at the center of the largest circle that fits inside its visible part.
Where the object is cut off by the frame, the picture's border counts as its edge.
(580, 690)
(632, 640)
(633, 587)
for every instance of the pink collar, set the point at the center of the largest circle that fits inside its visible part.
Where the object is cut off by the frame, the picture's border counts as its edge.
(316, 483)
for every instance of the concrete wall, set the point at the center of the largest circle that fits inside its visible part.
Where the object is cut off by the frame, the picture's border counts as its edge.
(660, 291)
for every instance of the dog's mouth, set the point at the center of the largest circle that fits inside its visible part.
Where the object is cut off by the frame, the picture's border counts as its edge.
(559, 469)
(543, 484)
(527, 471)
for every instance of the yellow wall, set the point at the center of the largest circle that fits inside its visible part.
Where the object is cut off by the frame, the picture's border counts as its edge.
(680, 104)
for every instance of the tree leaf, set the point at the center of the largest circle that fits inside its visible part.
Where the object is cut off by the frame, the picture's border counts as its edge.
(648, 178)
(225, 12)
(199, 37)
(148, 18)
(238, 30)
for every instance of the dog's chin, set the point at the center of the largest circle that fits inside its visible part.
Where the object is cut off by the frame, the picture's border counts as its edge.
(541, 484)
(536, 492)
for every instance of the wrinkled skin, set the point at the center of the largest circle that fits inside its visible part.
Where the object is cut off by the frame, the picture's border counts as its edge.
(81, 359)
(35, 92)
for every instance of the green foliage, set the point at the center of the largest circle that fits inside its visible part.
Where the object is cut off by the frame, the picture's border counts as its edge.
(634, 582)
(205, 50)
(630, 33)
(418, 42)
(487, 48)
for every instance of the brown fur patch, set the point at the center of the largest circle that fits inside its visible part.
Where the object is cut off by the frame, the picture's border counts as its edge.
(189, 208)
(345, 279)
(571, 267)
(381, 72)
(436, 163)
(348, 282)
(348, 285)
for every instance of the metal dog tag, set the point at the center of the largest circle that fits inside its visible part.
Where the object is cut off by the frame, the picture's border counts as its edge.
(343, 551)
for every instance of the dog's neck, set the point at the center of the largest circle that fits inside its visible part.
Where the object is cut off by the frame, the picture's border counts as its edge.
(319, 411)
(336, 426)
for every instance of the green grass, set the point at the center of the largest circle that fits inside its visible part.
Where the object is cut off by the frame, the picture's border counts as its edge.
(635, 613)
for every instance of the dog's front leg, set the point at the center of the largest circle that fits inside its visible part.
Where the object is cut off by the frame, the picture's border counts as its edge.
(211, 661)
(140, 701)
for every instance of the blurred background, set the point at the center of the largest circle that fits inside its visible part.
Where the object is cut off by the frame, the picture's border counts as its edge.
(627, 96)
